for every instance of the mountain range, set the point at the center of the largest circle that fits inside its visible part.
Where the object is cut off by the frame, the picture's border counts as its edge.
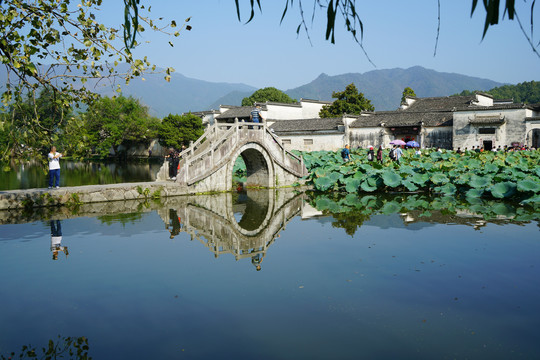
(382, 87)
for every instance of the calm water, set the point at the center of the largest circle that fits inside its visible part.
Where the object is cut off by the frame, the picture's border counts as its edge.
(28, 176)
(180, 280)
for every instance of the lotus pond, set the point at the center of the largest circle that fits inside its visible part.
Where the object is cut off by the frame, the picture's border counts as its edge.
(492, 175)
(274, 275)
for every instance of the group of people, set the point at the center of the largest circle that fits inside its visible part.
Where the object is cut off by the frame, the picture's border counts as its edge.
(395, 153)
(505, 148)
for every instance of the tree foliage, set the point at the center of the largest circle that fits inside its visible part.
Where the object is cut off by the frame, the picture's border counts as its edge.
(60, 46)
(349, 13)
(111, 122)
(527, 92)
(267, 94)
(407, 92)
(178, 130)
(349, 101)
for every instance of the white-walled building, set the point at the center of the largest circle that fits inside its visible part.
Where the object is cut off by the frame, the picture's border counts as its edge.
(445, 122)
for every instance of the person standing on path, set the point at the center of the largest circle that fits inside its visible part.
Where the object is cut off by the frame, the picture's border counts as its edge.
(54, 168)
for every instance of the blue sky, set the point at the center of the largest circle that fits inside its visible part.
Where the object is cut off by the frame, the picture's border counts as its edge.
(397, 34)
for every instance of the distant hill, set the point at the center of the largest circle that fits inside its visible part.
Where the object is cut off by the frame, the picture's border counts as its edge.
(181, 94)
(384, 87)
(232, 98)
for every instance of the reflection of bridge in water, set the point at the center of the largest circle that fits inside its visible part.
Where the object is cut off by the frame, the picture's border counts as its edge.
(244, 224)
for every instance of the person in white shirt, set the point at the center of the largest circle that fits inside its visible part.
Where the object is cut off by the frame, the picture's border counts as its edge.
(54, 168)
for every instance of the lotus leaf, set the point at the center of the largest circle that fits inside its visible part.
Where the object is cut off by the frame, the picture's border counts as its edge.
(323, 183)
(352, 184)
(419, 179)
(335, 176)
(320, 172)
(427, 166)
(447, 189)
(391, 179)
(439, 178)
(435, 156)
(535, 200)
(528, 185)
(491, 168)
(503, 209)
(352, 200)
(367, 188)
(391, 207)
(347, 170)
(368, 199)
(322, 203)
(374, 180)
(409, 185)
(405, 169)
(480, 182)
(502, 190)
(474, 193)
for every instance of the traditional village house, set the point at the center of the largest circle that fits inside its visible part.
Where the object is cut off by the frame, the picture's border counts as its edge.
(445, 122)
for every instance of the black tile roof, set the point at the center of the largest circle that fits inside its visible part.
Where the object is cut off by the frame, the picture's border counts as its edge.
(238, 112)
(404, 118)
(484, 120)
(302, 125)
(444, 103)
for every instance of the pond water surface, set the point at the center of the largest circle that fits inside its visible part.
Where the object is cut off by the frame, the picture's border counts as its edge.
(180, 279)
(76, 173)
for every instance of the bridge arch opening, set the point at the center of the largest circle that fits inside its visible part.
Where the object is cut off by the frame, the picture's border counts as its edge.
(252, 167)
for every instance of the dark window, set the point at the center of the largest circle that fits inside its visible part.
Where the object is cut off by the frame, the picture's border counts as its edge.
(486, 131)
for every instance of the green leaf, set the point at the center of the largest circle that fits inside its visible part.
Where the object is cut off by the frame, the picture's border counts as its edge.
(474, 193)
(391, 207)
(502, 190)
(391, 179)
(480, 182)
(409, 185)
(352, 184)
(367, 188)
(323, 183)
(528, 185)
(439, 179)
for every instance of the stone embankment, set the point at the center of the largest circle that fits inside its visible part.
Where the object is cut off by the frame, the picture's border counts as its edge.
(76, 195)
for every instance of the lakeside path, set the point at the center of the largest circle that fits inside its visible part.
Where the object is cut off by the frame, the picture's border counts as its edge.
(74, 195)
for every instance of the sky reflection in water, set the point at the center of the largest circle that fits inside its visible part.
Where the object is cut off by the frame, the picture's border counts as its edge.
(423, 290)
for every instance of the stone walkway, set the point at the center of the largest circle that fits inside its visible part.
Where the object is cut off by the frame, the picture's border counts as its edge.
(30, 198)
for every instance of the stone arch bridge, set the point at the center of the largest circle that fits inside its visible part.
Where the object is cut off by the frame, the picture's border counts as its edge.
(207, 165)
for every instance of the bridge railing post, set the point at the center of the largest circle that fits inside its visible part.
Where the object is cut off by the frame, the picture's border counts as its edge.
(237, 130)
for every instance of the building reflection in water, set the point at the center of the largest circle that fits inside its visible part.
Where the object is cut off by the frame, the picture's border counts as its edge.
(243, 224)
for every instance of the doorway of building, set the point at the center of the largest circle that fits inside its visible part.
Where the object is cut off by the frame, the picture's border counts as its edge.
(488, 145)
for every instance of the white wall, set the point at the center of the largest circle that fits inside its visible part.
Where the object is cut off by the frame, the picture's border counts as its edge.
(282, 112)
(466, 135)
(328, 142)
(310, 110)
